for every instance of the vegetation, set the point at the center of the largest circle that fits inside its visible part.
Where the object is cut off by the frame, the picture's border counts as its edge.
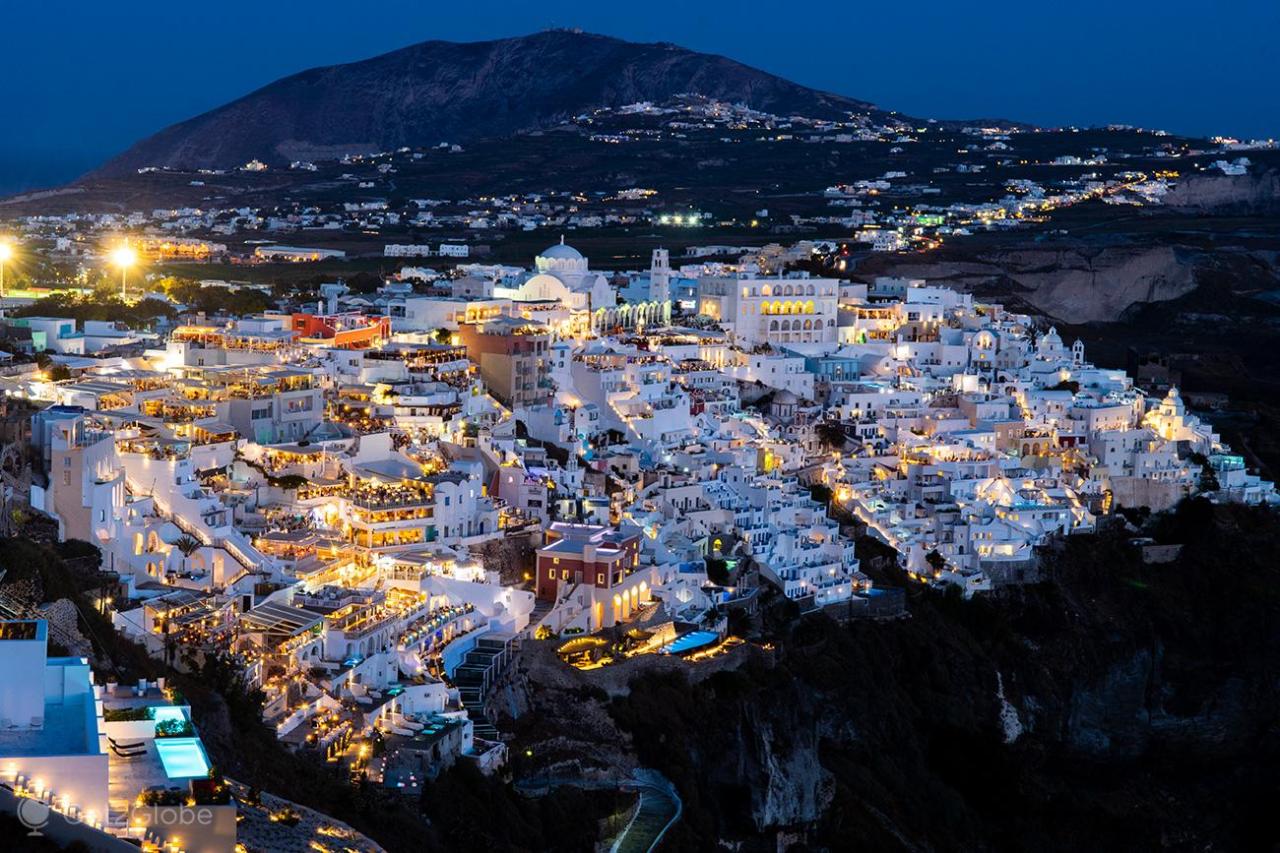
(137, 315)
(831, 435)
(174, 728)
(163, 797)
(820, 493)
(45, 573)
(718, 571)
(216, 299)
(188, 545)
(126, 715)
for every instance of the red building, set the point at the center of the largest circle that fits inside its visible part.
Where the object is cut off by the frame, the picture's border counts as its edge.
(342, 331)
(597, 556)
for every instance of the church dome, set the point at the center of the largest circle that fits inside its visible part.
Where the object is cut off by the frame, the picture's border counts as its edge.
(561, 252)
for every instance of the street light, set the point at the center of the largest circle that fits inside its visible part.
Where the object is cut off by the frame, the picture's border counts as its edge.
(6, 252)
(124, 257)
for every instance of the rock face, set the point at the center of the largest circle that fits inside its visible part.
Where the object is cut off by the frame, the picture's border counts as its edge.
(445, 91)
(1254, 193)
(1119, 706)
(1075, 284)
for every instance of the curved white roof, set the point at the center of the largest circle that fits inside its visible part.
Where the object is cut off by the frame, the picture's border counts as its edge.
(563, 252)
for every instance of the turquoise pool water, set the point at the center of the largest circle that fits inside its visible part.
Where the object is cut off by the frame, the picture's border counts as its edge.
(182, 757)
(690, 641)
(165, 713)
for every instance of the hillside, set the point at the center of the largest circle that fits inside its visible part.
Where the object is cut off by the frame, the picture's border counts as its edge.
(1116, 706)
(444, 91)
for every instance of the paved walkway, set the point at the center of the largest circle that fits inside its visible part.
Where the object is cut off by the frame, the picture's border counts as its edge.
(659, 808)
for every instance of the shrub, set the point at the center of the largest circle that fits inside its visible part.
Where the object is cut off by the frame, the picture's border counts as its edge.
(174, 728)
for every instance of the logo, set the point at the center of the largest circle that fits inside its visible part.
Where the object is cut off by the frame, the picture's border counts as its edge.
(34, 815)
(170, 816)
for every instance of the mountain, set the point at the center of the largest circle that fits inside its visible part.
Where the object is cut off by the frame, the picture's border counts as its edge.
(445, 91)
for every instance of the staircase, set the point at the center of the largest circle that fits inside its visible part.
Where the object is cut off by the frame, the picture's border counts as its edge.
(474, 678)
(541, 607)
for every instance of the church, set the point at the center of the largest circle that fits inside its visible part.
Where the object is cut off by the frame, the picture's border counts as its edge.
(563, 284)
(561, 274)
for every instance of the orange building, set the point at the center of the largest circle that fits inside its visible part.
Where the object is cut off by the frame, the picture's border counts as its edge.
(342, 331)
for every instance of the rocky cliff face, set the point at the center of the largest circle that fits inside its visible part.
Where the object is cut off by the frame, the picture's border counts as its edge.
(445, 91)
(1254, 193)
(1073, 283)
(1145, 700)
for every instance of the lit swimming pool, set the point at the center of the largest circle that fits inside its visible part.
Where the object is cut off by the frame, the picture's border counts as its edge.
(167, 713)
(182, 757)
(692, 640)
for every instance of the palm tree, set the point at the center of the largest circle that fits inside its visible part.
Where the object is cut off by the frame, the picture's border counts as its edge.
(188, 545)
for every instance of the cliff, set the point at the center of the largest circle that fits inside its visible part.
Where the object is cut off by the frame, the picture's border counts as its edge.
(1116, 706)
(1075, 283)
(1255, 193)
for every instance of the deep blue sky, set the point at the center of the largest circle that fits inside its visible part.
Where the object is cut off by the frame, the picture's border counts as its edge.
(83, 80)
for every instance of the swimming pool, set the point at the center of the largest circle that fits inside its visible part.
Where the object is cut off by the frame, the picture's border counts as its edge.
(167, 713)
(690, 641)
(182, 757)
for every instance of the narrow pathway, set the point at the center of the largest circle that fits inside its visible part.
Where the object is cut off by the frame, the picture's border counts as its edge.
(659, 808)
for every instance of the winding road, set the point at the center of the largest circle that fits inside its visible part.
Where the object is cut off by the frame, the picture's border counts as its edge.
(659, 809)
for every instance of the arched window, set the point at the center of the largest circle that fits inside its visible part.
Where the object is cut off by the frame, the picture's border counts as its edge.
(773, 325)
(808, 324)
(808, 291)
(808, 307)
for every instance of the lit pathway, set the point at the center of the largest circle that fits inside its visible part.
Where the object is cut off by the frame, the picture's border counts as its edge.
(659, 808)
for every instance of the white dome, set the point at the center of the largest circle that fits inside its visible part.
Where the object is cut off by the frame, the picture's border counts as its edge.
(561, 252)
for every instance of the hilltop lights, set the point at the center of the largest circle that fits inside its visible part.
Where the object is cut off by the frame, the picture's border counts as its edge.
(124, 256)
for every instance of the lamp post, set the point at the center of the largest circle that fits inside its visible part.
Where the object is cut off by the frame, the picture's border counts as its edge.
(6, 252)
(124, 257)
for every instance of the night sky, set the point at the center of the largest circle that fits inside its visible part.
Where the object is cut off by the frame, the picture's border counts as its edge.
(83, 80)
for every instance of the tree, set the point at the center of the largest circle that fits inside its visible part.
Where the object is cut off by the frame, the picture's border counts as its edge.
(1208, 478)
(188, 545)
(831, 434)
(364, 282)
(105, 305)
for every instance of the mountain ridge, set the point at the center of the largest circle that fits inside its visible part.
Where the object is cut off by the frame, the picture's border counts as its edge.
(440, 91)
